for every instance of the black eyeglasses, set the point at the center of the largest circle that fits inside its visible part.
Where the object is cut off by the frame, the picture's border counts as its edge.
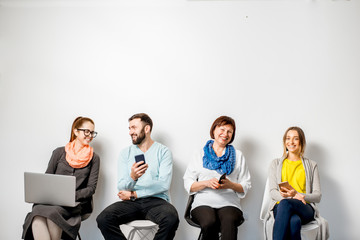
(87, 132)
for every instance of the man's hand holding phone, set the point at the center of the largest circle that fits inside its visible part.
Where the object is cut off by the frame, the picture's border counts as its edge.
(139, 167)
(140, 158)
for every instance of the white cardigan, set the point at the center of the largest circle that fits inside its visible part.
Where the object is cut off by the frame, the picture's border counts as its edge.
(216, 198)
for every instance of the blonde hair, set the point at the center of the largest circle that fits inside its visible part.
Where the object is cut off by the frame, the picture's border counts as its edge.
(301, 139)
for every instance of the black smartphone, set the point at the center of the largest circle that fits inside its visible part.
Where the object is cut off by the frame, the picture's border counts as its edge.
(139, 158)
(222, 177)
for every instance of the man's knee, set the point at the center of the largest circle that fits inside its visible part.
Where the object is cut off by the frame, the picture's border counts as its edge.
(174, 219)
(168, 218)
(171, 220)
(103, 219)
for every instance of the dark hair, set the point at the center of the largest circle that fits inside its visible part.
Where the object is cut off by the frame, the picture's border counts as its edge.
(221, 121)
(144, 118)
(301, 139)
(78, 122)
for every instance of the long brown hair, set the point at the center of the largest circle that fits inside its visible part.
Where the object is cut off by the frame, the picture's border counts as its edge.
(78, 122)
(301, 138)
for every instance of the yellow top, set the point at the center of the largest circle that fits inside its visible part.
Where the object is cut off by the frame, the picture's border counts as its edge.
(294, 173)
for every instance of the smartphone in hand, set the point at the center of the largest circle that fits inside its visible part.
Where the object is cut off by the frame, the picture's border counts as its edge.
(285, 185)
(139, 158)
(222, 177)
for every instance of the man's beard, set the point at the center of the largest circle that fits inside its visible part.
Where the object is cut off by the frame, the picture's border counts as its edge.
(140, 138)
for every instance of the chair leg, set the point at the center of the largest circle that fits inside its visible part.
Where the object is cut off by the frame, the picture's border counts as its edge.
(200, 236)
(140, 234)
(131, 234)
(79, 236)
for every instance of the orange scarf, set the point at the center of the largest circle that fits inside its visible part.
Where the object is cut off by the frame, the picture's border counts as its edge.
(80, 159)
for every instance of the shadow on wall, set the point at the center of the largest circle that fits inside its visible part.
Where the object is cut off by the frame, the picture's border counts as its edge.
(251, 204)
(330, 206)
(179, 197)
(99, 196)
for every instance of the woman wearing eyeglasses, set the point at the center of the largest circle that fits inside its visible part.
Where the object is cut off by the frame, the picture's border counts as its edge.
(77, 159)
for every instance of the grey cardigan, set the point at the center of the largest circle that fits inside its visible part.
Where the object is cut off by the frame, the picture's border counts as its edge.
(67, 218)
(313, 195)
(86, 177)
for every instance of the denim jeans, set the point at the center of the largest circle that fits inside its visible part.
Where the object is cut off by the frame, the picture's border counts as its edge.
(157, 210)
(214, 220)
(289, 215)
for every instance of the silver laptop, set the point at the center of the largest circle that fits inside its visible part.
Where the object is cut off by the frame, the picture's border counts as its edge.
(50, 189)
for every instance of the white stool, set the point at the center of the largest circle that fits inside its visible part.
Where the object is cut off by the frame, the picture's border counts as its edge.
(144, 229)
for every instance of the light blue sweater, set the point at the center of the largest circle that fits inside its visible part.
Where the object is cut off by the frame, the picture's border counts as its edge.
(157, 178)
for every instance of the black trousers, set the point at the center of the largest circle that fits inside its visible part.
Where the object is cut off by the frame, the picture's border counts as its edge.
(214, 220)
(157, 210)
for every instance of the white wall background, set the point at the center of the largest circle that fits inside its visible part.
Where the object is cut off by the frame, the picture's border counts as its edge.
(268, 64)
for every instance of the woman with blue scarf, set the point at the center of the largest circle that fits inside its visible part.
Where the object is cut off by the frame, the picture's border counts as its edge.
(216, 207)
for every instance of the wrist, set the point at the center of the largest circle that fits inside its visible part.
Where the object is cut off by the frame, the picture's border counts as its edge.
(299, 196)
(132, 196)
(133, 177)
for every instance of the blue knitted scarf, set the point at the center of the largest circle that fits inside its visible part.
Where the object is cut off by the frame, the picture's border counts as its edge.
(223, 164)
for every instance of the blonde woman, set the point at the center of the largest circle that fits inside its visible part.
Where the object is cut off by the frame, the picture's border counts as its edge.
(295, 203)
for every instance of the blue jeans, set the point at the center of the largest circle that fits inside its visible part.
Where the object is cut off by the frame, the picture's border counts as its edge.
(289, 215)
(157, 210)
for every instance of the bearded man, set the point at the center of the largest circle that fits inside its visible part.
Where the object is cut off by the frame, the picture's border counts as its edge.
(144, 178)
